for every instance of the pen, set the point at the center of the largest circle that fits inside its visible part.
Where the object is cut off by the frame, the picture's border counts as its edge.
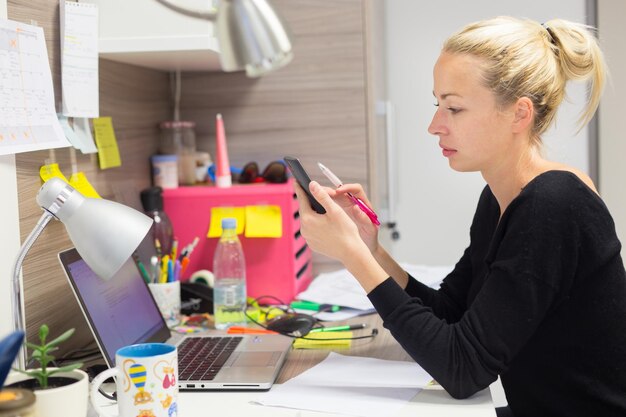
(144, 273)
(339, 328)
(154, 269)
(248, 330)
(337, 183)
(309, 305)
(174, 250)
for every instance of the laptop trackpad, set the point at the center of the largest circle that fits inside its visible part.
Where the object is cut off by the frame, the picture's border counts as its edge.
(248, 359)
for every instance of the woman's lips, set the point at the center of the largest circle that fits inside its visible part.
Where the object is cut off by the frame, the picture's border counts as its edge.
(447, 151)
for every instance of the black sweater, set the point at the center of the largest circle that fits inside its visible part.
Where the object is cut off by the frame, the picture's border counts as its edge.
(538, 298)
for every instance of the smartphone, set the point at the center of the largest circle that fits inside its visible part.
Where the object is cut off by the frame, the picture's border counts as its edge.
(303, 179)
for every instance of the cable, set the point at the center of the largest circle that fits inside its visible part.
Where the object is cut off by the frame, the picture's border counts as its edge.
(289, 310)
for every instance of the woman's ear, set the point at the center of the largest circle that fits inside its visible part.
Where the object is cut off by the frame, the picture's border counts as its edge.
(524, 112)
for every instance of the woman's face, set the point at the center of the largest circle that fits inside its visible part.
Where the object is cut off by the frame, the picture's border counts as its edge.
(473, 133)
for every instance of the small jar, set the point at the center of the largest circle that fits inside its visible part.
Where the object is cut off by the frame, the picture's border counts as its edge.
(179, 138)
(165, 171)
(17, 402)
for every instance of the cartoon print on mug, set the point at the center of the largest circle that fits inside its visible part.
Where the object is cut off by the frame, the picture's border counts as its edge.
(138, 375)
(168, 370)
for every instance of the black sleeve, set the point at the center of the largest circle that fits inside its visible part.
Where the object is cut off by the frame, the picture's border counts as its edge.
(449, 302)
(518, 291)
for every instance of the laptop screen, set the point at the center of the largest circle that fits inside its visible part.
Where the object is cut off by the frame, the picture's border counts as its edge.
(120, 311)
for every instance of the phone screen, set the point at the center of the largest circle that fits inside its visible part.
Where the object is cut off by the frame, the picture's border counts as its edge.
(303, 179)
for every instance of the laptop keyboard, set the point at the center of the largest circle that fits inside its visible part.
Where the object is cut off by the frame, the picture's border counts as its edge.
(201, 358)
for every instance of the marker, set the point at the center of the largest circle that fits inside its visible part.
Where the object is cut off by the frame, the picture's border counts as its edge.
(309, 305)
(339, 328)
(144, 273)
(337, 183)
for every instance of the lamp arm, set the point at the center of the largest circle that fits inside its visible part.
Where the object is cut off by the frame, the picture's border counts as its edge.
(200, 14)
(16, 300)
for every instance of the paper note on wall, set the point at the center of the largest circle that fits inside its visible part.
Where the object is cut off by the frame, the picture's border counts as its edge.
(51, 171)
(28, 121)
(79, 58)
(219, 213)
(108, 152)
(264, 221)
(79, 181)
(84, 136)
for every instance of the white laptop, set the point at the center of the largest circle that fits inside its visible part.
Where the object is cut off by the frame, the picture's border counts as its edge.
(121, 312)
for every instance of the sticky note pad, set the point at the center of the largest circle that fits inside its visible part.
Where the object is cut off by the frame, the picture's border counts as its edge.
(219, 213)
(50, 171)
(108, 152)
(324, 340)
(264, 221)
(79, 181)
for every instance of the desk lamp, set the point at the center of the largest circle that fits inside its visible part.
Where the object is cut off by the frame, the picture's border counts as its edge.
(105, 233)
(250, 34)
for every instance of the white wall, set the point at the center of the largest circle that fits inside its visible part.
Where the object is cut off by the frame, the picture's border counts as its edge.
(9, 228)
(612, 136)
(435, 204)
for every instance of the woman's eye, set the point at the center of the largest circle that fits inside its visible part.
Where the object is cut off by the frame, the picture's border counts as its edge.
(453, 110)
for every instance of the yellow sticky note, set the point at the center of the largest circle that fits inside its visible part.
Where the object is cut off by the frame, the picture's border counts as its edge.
(218, 213)
(108, 152)
(79, 181)
(324, 340)
(264, 221)
(50, 171)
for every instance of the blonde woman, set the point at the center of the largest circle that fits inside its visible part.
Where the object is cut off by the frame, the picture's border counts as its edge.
(539, 296)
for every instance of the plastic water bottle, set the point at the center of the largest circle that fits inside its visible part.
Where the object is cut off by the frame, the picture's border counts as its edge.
(229, 268)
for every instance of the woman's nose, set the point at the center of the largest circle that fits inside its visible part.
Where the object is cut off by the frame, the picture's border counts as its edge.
(436, 126)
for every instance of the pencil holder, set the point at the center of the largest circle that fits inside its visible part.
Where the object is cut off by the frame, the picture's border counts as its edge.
(167, 297)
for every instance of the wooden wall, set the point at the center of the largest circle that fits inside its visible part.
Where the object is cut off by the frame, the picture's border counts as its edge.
(317, 108)
(137, 99)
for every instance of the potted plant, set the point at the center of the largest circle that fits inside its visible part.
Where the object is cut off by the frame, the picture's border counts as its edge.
(60, 392)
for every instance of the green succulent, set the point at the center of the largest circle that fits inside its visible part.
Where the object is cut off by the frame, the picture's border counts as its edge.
(41, 354)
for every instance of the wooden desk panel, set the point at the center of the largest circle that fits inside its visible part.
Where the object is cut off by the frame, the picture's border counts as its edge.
(383, 346)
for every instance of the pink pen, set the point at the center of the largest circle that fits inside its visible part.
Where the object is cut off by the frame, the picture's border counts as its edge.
(337, 183)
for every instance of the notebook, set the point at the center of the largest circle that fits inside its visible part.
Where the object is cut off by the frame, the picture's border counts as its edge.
(121, 311)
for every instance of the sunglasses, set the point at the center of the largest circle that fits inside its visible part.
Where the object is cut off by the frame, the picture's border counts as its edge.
(275, 172)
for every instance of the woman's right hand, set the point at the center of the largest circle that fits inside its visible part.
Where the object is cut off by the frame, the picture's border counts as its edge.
(367, 230)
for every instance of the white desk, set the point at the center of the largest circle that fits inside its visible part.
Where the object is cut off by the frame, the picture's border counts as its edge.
(434, 402)
(431, 402)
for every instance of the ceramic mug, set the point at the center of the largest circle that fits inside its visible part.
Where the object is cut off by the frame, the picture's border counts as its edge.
(146, 381)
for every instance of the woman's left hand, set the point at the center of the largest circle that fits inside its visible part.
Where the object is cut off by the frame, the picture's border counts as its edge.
(333, 234)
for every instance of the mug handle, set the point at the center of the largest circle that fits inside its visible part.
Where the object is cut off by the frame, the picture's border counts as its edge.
(95, 385)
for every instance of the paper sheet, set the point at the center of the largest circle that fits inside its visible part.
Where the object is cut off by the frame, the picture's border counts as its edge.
(264, 221)
(342, 289)
(28, 121)
(349, 385)
(79, 58)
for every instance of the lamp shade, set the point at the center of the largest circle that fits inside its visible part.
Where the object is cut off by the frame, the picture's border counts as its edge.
(104, 232)
(251, 37)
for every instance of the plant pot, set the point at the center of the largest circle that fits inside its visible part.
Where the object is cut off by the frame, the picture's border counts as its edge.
(66, 401)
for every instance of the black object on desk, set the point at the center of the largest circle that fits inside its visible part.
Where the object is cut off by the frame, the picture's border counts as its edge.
(196, 298)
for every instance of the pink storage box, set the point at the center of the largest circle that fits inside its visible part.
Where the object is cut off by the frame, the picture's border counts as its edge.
(280, 267)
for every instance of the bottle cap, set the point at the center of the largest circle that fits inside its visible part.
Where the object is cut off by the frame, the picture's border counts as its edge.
(152, 199)
(229, 223)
